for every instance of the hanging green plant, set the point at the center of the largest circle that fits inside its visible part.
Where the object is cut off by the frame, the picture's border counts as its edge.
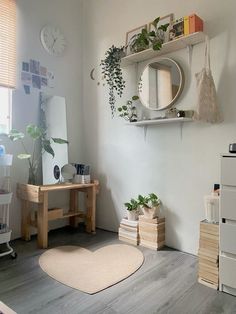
(112, 73)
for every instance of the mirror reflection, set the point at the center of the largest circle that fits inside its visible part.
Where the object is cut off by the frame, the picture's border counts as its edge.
(161, 83)
(53, 118)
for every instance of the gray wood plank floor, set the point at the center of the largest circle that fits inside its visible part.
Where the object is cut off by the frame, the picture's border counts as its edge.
(166, 283)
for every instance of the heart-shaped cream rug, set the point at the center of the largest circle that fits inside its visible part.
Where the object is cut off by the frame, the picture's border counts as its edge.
(89, 271)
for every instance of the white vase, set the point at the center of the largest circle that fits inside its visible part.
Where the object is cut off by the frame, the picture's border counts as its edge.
(150, 213)
(132, 214)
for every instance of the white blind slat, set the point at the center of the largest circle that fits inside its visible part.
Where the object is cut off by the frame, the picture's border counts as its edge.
(8, 43)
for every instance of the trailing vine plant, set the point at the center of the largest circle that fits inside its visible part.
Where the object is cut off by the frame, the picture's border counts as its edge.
(112, 73)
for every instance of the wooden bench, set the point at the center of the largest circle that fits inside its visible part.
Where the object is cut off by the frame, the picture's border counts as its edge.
(38, 194)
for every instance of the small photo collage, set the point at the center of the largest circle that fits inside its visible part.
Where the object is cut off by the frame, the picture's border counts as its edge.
(34, 75)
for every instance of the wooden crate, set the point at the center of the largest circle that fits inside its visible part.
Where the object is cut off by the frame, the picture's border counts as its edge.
(152, 232)
(208, 255)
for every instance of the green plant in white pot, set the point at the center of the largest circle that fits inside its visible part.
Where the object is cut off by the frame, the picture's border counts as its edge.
(149, 204)
(38, 137)
(132, 208)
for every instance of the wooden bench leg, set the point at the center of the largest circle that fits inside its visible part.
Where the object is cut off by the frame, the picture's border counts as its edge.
(91, 210)
(25, 226)
(42, 222)
(73, 207)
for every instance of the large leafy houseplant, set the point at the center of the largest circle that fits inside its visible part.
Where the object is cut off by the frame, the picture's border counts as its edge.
(112, 72)
(38, 136)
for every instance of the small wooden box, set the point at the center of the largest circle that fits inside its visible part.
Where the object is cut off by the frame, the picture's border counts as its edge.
(195, 24)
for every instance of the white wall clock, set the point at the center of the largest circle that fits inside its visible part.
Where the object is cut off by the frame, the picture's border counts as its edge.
(53, 40)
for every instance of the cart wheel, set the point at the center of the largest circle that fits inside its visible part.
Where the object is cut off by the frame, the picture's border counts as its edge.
(13, 255)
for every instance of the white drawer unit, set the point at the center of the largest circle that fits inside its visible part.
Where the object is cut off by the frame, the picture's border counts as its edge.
(227, 245)
(228, 271)
(228, 202)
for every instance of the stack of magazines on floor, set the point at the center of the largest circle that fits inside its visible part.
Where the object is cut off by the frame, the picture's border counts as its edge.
(128, 231)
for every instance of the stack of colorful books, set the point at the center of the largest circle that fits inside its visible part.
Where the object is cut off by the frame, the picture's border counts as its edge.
(128, 231)
(152, 232)
(208, 254)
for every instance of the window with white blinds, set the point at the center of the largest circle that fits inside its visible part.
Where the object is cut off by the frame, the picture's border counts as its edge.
(8, 43)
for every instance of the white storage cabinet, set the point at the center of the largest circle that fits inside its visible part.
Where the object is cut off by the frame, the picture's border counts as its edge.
(227, 265)
(5, 201)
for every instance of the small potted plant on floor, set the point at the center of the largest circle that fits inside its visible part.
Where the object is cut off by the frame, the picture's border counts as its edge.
(132, 208)
(149, 205)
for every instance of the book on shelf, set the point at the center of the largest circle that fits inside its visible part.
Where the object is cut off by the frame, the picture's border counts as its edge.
(186, 25)
(195, 24)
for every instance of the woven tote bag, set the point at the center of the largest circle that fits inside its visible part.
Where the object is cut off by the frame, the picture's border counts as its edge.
(207, 107)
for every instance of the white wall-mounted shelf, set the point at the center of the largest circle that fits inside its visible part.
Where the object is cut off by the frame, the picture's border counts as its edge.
(171, 46)
(160, 121)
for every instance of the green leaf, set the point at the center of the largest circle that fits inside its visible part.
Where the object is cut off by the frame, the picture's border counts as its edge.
(157, 46)
(34, 131)
(59, 140)
(135, 97)
(15, 135)
(124, 107)
(156, 21)
(24, 156)
(47, 147)
(119, 109)
(152, 34)
(164, 27)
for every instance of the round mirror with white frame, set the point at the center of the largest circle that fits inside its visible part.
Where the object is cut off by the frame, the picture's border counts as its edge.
(161, 83)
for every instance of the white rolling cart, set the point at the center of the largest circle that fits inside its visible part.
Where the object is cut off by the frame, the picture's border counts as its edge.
(5, 201)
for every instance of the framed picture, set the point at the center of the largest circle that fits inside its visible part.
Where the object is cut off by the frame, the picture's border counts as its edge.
(169, 18)
(131, 35)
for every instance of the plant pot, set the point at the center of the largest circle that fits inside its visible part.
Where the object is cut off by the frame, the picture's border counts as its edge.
(132, 214)
(150, 213)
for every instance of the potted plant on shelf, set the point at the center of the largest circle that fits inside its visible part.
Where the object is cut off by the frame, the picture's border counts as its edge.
(129, 111)
(149, 205)
(139, 42)
(111, 70)
(132, 208)
(157, 36)
(38, 136)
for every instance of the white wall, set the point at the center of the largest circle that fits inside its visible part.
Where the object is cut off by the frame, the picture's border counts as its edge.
(180, 170)
(31, 17)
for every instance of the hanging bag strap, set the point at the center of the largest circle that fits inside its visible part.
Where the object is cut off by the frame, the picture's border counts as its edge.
(207, 53)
